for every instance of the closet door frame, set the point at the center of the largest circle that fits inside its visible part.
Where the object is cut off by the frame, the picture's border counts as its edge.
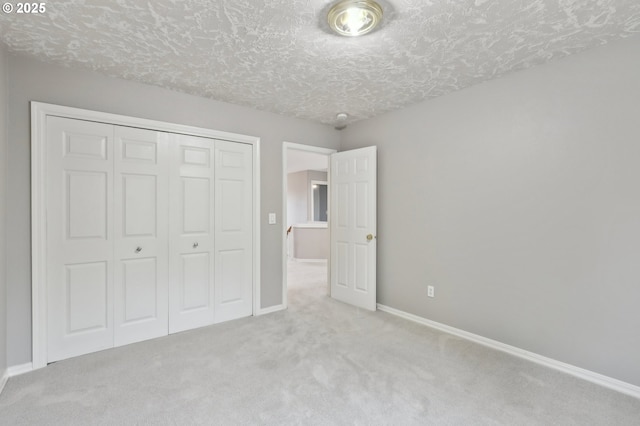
(39, 113)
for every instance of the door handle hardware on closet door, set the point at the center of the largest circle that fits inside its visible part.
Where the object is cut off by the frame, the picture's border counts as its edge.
(195, 245)
(139, 249)
(370, 237)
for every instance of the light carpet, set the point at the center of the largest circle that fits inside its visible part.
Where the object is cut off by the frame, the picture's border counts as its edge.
(320, 362)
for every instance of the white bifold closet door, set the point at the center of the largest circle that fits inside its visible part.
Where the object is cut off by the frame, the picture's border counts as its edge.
(233, 231)
(192, 235)
(106, 235)
(211, 255)
(141, 236)
(80, 231)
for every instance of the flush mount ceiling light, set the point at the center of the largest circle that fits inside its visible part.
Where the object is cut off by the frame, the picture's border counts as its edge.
(354, 18)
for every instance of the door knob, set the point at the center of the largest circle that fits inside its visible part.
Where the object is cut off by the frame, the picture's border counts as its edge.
(195, 245)
(139, 249)
(369, 237)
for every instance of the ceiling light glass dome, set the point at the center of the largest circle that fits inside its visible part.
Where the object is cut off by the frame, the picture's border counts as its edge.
(354, 18)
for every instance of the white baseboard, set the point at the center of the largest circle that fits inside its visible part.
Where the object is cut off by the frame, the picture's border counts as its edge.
(295, 259)
(17, 370)
(3, 379)
(271, 309)
(590, 376)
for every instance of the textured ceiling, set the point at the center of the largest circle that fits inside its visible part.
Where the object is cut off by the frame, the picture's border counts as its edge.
(277, 55)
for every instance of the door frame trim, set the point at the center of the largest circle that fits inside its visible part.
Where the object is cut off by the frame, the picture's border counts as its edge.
(308, 148)
(39, 113)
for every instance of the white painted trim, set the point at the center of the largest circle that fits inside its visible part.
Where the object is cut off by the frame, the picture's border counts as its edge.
(295, 259)
(124, 120)
(581, 373)
(300, 147)
(3, 380)
(17, 370)
(38, 236)
(39, 113)
(272, 309)
(257, 213)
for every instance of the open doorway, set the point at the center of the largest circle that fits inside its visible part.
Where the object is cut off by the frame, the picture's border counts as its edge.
(306, 250)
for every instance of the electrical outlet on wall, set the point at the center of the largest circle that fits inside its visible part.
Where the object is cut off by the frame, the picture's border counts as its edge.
(431, 292)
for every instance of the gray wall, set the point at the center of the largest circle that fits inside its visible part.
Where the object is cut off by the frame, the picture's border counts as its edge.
(297, 198)
(519, 200)
(3, 197)
(299, 195)
(35, 81)
(310, 243)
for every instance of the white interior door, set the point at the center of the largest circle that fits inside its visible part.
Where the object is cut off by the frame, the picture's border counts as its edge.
(233, 231)
(192, 254)
(80, 270)
(141, 234)
(353, 227)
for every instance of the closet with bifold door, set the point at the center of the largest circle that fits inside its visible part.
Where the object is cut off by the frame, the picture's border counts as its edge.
(147, 233)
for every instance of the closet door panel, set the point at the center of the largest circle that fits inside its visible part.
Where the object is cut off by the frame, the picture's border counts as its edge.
(139, 290)
(140, 204)
(196, 282)
(231, 272)
(86, 291)
(191, 246)
(233, 230)
(196, 205)
(79, 237)
(86, 204)
(141, 240)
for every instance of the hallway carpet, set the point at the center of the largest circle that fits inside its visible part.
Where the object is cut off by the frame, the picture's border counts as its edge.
(320, 362)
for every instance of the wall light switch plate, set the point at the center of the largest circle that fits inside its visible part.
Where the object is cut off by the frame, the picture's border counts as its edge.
(272, 218)
(431, 291)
